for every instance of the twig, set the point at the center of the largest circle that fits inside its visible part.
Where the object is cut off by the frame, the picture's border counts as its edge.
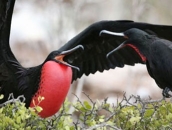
(13, 100)
(102, 125)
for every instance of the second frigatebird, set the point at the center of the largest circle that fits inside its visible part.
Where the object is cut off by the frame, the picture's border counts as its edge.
(154, 51)
(53, 77)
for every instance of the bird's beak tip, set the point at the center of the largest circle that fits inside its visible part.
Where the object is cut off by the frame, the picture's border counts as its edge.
(100, 33)
(107, 56)
(81, 46)
(103, 31)
(78, 69)
(74, 67)
(117, 48)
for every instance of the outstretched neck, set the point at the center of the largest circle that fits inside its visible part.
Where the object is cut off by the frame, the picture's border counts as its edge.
(141, 54)
(142, 47)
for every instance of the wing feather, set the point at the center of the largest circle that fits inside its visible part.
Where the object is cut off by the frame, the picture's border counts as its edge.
(93, 58)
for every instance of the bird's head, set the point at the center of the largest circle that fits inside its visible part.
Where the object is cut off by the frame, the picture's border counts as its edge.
(58, 56)
(135, 38)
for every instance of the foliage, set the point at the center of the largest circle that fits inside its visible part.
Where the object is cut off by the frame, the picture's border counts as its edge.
(129, 114)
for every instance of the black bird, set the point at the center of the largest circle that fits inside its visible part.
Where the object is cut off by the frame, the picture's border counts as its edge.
(84, 54)
(154, 51)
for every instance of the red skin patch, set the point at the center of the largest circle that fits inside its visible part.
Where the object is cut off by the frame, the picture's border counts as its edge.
(138, 52)
(54, 85)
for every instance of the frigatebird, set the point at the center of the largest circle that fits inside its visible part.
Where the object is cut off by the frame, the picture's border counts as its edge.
(154, 51)
(84, 54)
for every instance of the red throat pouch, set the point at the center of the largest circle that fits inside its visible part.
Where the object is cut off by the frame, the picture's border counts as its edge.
(54, 86)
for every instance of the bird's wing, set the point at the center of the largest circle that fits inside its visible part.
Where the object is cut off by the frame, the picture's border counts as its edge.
(93, 58)
(10, 68)
(6, 11)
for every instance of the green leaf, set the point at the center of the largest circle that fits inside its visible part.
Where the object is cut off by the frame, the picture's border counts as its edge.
(18, 119)
(38, 109)
(87, 105)
(101, 120)
(1, 96)
(67, 128)
(134, 120)
(149, 113)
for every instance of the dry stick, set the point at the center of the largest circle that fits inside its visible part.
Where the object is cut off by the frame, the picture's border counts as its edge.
(13, 100)
(78, 92)
(107, 119)
(102, 125)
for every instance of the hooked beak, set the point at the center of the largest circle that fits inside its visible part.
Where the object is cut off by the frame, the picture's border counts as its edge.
(117, 48)
(116, 34)
(60, 57)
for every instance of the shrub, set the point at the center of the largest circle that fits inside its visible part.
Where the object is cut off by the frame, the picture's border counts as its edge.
(131, 113)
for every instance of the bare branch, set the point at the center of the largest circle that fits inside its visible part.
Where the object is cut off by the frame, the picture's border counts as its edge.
(11, 99)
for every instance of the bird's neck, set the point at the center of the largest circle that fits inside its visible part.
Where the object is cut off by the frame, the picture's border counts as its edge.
(139, 52)
(54, 84)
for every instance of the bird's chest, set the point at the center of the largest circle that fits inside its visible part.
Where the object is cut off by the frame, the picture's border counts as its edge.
(54, 84)
(159, 59)
(155, 68)
(160, 69)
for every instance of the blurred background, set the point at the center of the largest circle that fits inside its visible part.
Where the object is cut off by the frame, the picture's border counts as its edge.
(41, 26)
